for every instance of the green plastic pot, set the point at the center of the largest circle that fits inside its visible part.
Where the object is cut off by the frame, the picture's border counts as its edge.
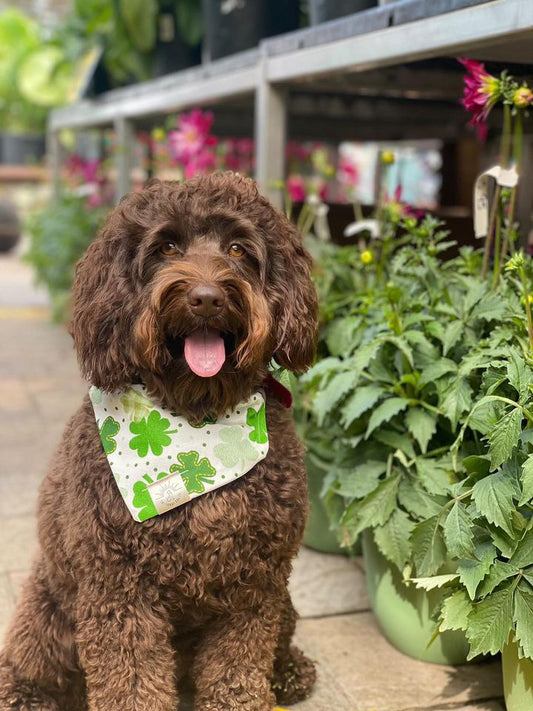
(517, 679)
(403, 612)
(318, 534)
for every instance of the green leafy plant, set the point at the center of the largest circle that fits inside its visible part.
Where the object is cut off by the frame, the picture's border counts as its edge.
(59, 234)
(426, 393)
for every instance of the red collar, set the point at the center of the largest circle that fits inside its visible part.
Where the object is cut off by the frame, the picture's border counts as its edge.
(279, 391)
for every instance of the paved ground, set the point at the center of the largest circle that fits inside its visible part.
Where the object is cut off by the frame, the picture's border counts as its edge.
(358, 669)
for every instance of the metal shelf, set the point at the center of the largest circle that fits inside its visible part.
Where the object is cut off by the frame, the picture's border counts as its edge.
(300, 76)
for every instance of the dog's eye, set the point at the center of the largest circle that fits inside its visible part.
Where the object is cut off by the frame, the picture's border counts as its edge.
(169, 248)
(236, 251)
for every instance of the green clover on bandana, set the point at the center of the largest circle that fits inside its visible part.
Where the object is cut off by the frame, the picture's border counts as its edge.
(108, 432)
(257, 420)
(194, 471)
(152, 433)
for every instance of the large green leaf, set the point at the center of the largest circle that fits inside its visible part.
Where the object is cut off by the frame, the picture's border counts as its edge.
(365, 354)
(452, 334)
(429, 551)
(340, 335)
(519, 374)
(395, 440)
(392, 538)
(504, 437)
(417, 501)
(456, 399)
(499, 572)
(523, 555)
(523, 618)
(360, 480)
(434, 581)
(44, 77)
(436, 370)
(491, 308)
(422, 425)
(494, 499)
(526, 480)
(473, 570)
(373, 510)
(434, 474)
(455, 611)
(385, 412)
(327, 398)
(490, 623)
(362, 400)
(458, 532)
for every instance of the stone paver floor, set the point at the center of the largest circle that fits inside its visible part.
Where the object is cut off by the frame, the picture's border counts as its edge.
(358, 669)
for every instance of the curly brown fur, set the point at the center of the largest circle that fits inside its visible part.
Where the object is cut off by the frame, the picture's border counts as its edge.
(116, 612)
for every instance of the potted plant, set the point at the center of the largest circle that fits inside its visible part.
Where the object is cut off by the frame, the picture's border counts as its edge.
(324, 10)
(423, 395)
(61, 232)
(235, 25)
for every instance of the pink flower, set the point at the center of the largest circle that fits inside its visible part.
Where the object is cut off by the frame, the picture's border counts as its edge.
(296, 188)
(192, 135)
(296, 151)
(481, 92)
(200, 164)
(347, 173)
(398, 209)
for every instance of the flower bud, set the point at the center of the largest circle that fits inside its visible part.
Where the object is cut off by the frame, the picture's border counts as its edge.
(523, 97)
(367, 257)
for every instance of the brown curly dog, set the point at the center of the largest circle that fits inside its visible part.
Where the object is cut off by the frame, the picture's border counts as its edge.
(116, 612)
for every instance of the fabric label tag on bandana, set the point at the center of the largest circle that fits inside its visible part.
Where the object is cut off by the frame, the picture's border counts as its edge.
(160, 460)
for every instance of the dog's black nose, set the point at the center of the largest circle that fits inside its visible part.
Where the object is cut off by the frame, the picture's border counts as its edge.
(206, 299)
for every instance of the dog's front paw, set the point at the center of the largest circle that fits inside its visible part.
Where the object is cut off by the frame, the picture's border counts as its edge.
(294, 677)
(21, 695)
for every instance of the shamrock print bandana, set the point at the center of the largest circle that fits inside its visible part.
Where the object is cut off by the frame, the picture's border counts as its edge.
(160, 460)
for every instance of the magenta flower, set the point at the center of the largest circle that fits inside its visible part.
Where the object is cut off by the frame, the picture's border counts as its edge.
(347, 173)
(481, 92)
(296, 188)
(398, 209)
(192, 135)
(203, 162)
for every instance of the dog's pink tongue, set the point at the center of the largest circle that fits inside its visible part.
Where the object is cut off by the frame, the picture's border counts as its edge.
(204, 352)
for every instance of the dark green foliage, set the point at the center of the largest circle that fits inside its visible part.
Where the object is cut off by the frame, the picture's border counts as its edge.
(425, 397)
(59, 235)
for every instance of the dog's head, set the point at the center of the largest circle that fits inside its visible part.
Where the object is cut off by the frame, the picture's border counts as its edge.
(193, 288)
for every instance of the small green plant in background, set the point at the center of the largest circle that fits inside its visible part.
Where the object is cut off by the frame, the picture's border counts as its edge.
(59, 235)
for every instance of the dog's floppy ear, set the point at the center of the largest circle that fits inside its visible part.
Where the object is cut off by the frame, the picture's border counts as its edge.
(103, 317)
(296, 320)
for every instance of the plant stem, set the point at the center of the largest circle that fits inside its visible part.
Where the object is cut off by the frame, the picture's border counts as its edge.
(497, 244)
(517, 155)
(528, 307)
(488, 239)
(505, 148)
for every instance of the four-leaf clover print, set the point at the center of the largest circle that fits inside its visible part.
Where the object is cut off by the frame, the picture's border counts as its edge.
(257, 420)
(152, 433)
(235, 447)
(194, 471)
(108, 432)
